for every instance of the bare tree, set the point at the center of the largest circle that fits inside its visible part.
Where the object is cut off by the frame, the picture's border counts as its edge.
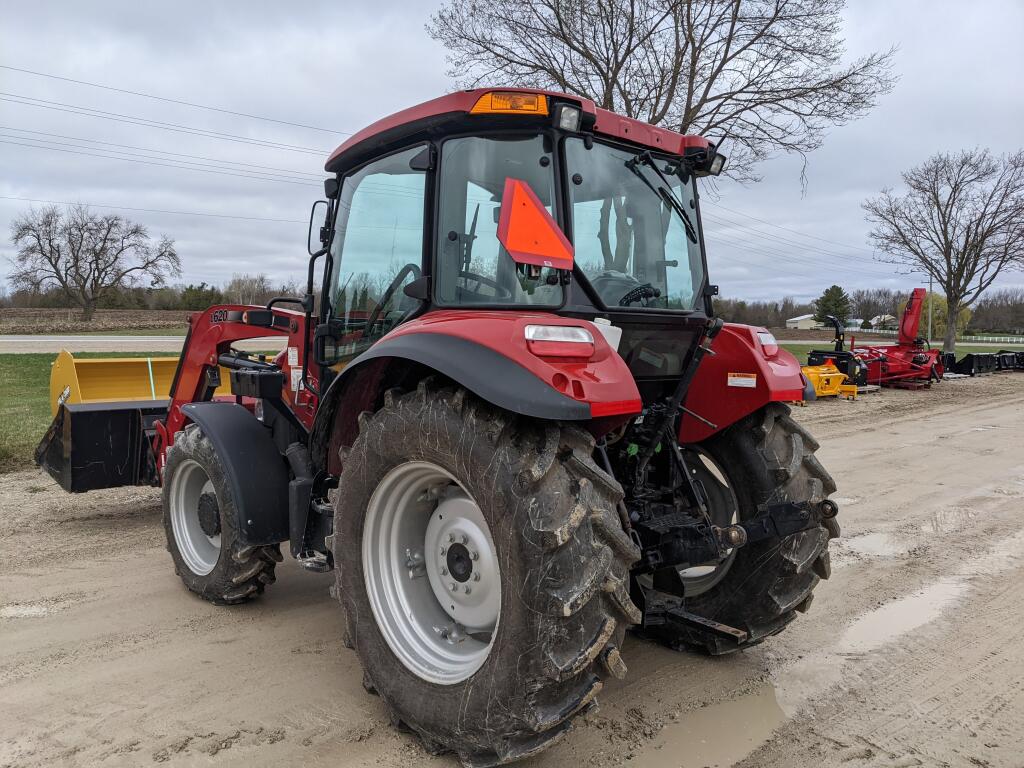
(248, 289)
(86, 254)
(870, 303)
(1000, 310)
(766, 73)
(961, 220)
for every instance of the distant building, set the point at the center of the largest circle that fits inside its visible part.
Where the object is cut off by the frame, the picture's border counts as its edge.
(802, 323)
(883, 322)
(855, 322)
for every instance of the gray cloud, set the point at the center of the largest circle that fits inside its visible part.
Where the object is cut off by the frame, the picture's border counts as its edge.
(341, 66)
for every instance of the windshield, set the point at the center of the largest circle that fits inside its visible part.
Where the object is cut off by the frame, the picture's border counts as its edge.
(634, 249)
(472, 265)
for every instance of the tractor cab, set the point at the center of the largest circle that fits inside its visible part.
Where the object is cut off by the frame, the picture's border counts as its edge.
(518, 200)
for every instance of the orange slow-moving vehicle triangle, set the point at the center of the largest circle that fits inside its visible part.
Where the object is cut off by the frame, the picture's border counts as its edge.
(527, 231)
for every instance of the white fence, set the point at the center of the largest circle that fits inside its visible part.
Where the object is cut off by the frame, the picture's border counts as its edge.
(982, 339)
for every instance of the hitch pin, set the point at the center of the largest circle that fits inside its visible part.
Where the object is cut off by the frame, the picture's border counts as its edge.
(732, 535)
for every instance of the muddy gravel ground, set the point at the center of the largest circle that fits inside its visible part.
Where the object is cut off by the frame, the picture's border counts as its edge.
(910, 656)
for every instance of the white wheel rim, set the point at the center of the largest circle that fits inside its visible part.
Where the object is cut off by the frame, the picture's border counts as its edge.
(199, 551)
(431, 572)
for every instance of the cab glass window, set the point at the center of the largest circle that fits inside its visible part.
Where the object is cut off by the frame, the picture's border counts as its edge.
(633, 246)
(377, 251)
(472, 266)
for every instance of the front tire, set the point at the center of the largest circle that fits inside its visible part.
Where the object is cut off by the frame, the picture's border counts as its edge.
(201, 525)
(559, 555)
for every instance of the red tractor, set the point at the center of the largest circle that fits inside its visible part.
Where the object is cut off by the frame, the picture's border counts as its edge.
(510, 423)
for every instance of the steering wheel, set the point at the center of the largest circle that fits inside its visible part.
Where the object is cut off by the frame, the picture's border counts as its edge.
(644, 291)
(500, 291)
(404, 272)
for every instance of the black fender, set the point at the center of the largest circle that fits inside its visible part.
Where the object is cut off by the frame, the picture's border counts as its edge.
(255, 469)
(486, 373)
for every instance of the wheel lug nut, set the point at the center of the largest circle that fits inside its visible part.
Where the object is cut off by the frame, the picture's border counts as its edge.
(451, 538)
(474, 555)
(444, 571)
(455, 587)
(468, 590)
(444, 550)
(465, 539)
(476, 577)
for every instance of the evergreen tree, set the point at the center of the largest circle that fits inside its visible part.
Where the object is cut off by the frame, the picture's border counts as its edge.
(835, 302)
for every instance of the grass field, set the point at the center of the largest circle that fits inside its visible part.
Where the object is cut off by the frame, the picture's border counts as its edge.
(24, 403)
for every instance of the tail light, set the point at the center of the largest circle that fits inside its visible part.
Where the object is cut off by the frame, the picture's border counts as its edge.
(560, 341)
(768, 343)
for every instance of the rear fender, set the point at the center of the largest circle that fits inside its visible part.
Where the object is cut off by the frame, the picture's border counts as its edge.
(748, 370)
(487, 353)
(254, 468)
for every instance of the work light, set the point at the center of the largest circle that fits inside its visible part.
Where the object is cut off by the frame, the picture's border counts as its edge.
(567, 118)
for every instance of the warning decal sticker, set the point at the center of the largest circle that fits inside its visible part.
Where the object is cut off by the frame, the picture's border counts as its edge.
(748, 380)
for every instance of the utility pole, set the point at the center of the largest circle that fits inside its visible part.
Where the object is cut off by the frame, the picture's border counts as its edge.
(930, 279)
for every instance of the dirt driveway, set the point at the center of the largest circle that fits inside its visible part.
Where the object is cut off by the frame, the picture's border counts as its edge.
(911, 654)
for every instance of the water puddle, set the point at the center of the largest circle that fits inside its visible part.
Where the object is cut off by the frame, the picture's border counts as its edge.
(719, 734)
(845, 501)
(38, 609)
(949, 520)
(875, 629)
(24, 611)
(723, 733)
(877, 544)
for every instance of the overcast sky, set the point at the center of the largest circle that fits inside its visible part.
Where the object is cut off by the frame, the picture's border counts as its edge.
(337, 66)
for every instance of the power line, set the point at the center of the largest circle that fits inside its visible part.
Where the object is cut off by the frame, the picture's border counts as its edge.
(149, 149)
(165, 165)
(155, 210)
(175, 101)
(796, 244)
(148, 123)
(787, 229)
(767, 250)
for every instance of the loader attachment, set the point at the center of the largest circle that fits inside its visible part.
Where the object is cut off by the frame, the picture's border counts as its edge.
(104, 410)
(101, 445)
(109, 379)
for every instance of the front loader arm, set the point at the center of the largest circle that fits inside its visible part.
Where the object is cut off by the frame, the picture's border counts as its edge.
(208, 347)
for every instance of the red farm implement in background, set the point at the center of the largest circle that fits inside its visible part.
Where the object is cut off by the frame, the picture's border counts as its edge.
(911, 362)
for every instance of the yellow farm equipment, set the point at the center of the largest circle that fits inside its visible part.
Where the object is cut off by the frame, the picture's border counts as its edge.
(113, 379)
(104, 410)
(829, 381)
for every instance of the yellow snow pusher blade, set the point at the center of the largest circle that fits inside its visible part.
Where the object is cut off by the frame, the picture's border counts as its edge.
(829, 381)
(103, 413)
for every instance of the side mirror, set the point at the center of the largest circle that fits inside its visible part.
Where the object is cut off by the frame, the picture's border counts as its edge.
(325, 343)
(324, 231)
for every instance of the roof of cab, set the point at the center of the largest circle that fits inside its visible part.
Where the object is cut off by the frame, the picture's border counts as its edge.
(454, 106)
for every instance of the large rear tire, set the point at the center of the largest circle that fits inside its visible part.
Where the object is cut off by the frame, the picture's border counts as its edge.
(766, 458)
(201, 525)
(539, 515)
